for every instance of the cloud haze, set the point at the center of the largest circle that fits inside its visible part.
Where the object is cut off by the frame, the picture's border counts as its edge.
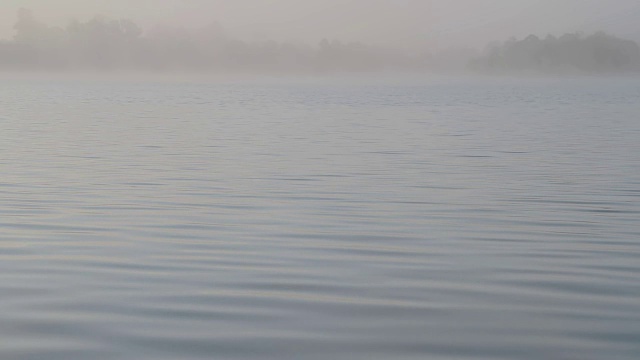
(440, 23)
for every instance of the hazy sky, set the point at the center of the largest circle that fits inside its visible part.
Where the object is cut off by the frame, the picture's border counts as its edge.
(440, 23)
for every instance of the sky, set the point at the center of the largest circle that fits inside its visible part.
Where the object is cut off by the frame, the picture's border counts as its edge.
(402, 23)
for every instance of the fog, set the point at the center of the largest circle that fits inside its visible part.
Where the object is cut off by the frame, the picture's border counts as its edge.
(457, 22)
(389, 34)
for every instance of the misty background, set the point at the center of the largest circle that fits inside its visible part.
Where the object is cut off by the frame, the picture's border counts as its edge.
(331, 35)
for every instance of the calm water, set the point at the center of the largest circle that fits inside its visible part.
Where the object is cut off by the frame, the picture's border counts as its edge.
(318, 219)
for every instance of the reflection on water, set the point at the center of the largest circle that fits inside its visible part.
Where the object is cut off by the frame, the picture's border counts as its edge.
(458, 219)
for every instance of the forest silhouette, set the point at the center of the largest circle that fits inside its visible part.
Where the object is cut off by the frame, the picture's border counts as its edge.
(570, 53)
(103, 44)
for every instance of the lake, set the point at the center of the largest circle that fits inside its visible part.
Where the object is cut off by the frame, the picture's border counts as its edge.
(485, 218)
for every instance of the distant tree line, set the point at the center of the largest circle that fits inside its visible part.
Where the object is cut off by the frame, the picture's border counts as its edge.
(569, 53)
(106, 44)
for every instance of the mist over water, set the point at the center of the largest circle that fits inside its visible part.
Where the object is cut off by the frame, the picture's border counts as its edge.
(380, 22)
(336, 37)
(280, 179)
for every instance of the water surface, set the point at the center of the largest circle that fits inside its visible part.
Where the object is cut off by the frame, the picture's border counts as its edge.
(320, 219)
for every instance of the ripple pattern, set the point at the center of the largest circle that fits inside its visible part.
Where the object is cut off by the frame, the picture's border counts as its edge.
(442, 219)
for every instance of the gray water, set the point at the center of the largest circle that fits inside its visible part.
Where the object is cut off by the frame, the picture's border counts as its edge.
(320, 219)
